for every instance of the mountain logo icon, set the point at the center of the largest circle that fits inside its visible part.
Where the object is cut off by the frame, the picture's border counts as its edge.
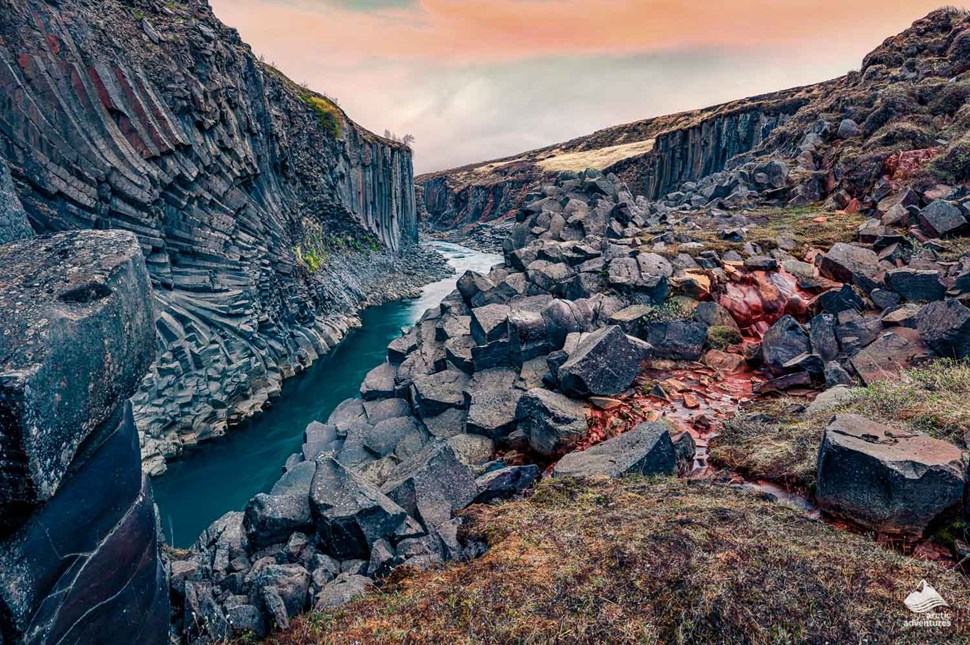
(924, 599)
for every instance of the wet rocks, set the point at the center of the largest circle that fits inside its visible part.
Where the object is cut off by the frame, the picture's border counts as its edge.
(604, 364)
(551, 422)
(886, 479)
(645, 450)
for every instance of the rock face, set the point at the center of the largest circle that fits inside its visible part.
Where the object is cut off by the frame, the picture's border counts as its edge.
(79, 548)
(665, 152)
(265, 215)
(886, 479)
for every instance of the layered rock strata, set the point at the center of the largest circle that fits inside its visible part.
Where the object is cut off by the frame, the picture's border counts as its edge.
(255, 201)
(79, 545)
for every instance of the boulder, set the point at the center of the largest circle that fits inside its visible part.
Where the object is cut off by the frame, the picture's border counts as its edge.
(852, 264)
(888, 355)
(491, 411)
(681, 340)
(340, 591)
(945, 327)
(489, 323)
(472, 449)
(505, 483)
(915, 285)
(785, 340)
(435, 393)
(552, 422)
(645, 450)
(379, 382)
(528, 337)
(564, 317)
(77, 334)
(290, 583)
(942, 219)
(382, 439)
(271, 519)
(604, 364)
(350, 514)
(886, 479)
(432, 485)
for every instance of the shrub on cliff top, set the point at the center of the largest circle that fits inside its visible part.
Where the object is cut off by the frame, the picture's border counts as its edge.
(328, 115)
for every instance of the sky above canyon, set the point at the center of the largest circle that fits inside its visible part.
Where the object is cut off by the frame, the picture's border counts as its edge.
(473, 80)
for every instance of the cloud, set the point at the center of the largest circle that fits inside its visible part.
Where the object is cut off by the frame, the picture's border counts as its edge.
(478, 79)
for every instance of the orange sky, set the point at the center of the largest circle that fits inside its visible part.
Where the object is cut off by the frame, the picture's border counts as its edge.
(415, 65)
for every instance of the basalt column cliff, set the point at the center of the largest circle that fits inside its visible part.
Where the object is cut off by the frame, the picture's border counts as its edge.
(250, 195)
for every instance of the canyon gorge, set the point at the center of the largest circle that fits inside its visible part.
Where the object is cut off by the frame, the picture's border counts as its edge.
(703, 378)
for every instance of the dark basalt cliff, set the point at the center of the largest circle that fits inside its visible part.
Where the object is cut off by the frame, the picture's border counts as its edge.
(251, 197)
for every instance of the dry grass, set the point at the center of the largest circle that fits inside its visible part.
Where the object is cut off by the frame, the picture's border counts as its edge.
(800, 224)
(650, 561)
(599, 158)
(931, 399)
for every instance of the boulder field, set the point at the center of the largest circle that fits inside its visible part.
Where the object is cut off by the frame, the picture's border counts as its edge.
(501, 381)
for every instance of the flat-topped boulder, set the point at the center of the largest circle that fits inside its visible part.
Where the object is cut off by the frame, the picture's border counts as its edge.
(552, 423)
(645, 450)
(77, 335)
(605, 363)
(887, 479)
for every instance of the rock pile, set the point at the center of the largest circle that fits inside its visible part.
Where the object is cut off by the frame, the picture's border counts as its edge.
(79, 546)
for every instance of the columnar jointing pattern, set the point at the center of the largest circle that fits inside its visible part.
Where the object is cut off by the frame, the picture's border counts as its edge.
(161, 121)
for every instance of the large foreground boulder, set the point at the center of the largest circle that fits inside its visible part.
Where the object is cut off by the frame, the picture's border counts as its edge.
(605, 363)
(887, 479)
(350, 513)
(645, 450)
(77, 334)
(79, 547)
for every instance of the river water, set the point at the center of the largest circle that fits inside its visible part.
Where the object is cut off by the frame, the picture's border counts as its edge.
(222, 475)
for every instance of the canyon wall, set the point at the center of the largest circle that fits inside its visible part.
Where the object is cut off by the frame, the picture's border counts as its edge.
(255, 201)
(653, 157)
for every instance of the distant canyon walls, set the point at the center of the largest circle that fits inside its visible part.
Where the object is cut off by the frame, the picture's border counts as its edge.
(248, 194)
(686, 147)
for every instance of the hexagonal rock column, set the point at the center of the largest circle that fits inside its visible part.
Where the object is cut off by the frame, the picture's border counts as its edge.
(79, 548)
(886, 479)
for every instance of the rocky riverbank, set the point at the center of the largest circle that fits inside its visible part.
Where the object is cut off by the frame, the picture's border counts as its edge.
(600, 347)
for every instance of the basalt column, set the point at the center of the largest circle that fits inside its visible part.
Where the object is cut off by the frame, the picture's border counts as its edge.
(79, 547)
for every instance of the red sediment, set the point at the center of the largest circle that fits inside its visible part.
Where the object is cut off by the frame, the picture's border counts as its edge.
(758, 299)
